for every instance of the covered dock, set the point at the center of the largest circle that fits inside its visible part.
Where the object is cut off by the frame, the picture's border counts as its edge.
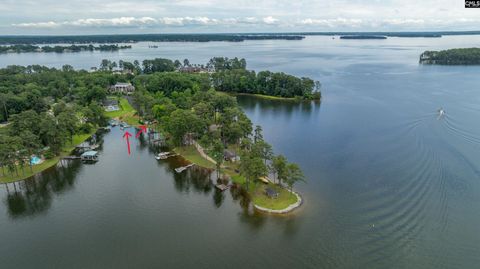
(91, 156)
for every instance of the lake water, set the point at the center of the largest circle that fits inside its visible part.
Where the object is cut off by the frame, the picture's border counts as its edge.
(389, 184)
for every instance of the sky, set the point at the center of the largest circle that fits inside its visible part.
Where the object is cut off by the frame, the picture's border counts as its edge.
(223, 16)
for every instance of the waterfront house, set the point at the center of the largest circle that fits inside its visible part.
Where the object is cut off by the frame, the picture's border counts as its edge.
(194, 69)
(122, 88)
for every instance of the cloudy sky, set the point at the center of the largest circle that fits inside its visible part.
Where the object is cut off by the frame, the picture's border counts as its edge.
(204, 16)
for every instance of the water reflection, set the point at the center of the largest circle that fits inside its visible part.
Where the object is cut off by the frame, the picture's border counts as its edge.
(34, 196)
(287, 108)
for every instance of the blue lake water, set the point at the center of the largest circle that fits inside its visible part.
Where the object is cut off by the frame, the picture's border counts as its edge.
(389, 183)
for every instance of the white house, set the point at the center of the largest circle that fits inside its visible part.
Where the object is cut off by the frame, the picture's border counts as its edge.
(122, 87)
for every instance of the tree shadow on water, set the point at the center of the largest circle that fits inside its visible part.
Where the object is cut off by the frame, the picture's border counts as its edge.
(34, 195)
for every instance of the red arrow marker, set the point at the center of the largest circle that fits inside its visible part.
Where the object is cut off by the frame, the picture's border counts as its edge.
(143, 129)
(127, 136)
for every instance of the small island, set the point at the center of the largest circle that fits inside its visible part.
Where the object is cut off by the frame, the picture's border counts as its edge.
(363, 37)
(189, 105)
(463, 56)
(60, 49)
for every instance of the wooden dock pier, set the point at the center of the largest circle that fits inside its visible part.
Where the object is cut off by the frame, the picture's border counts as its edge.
(71, 158)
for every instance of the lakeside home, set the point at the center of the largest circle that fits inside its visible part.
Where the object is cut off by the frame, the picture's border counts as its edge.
(194, 69)
(122, 88)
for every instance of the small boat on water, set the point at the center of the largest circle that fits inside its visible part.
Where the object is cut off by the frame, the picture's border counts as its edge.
(183, 168)
(165, 155)
(441, 112)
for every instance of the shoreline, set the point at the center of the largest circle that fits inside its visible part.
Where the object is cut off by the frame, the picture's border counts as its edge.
(270, 97)
(47, 163)
(290, 208)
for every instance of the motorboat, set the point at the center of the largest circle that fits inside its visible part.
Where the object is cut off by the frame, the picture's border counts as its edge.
(162, 155)
(441, 112)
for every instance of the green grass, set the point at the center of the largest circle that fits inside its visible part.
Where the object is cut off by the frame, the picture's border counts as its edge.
(124, 106)
(192, 155)
(28, 173)
(126, 113)
(67, 149)
(255, 189)
(284, 199)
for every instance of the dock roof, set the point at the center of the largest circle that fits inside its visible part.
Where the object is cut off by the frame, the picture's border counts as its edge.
(89, 153)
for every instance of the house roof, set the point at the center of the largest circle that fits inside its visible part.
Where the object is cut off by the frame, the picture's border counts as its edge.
(123, 84)
(271, 192)
(229, 154)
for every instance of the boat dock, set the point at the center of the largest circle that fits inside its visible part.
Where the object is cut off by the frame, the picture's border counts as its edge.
(183, 168)
(222, 187)
(71, 158)
(165, 155)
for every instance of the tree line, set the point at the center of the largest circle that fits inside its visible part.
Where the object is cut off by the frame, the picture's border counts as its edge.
(21, 48)
(465, 56)
(46, 107)
(192, 112)
(229, 75)
(128, 38)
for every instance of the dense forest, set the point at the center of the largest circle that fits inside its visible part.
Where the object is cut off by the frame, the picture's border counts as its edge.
(466, 56)
(36, 87)
(47, 107)
(223, 74)
(60, 49)
(131, 38)
(363, 37)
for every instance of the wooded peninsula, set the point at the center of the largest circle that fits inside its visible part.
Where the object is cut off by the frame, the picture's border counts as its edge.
(50, 110)
(463, 56)
(60, 49)
(129, 38)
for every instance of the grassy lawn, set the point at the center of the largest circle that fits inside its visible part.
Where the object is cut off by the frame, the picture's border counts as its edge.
(256, 189)
(28, 173)
(126, 113)
(284, 199)
(67, 149)
(191, 154)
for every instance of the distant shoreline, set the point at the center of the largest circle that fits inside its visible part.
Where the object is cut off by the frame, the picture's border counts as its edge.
(205, 37)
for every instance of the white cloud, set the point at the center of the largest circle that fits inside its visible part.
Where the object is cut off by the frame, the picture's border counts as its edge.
(270, 20)
(149, 21)
(49, 24)
(332, 23)
(122, 21)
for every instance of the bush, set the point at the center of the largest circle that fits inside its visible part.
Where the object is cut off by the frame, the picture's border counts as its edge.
(48, 155)
(86, 128)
